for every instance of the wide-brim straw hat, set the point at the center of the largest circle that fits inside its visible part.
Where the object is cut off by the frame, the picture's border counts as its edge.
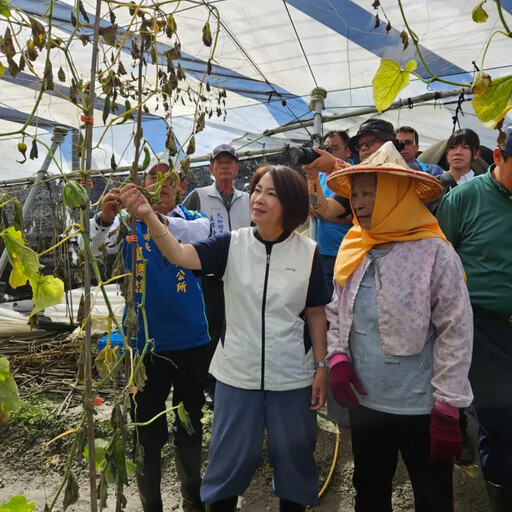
(386, 159)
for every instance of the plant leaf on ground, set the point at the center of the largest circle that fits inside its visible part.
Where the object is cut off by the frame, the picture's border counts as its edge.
(389, 80)
(18, 504)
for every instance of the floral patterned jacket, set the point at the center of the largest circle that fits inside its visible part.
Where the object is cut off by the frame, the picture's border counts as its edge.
(419, 285)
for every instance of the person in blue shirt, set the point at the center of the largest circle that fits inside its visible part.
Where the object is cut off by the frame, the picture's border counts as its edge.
(408, 138)
(330, 233)
(178, 352)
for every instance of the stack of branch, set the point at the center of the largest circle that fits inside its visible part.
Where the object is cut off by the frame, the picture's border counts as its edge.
(46, 365)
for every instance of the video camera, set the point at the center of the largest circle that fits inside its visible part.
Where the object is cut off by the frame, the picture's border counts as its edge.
(305, 154)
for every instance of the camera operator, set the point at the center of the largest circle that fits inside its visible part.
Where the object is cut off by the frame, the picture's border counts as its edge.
(372, 134)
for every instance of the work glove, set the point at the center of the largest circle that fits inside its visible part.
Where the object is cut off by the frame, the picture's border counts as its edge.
(445, 436)
(343, 378)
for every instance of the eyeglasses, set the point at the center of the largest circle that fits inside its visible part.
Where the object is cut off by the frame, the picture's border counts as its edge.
(368, 144)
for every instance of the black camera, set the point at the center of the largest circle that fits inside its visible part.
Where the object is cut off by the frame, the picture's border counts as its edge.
(305, 155)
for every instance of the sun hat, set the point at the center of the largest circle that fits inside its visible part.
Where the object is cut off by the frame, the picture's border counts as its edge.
(382, 129)
(386, 159)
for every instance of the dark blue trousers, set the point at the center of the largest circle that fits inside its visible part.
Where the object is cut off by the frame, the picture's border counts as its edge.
(239, 422)
(491, 380)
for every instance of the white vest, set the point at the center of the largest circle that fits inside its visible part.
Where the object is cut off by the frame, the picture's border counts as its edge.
(264, 343)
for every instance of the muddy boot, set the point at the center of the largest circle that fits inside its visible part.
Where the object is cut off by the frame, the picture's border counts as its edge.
(225, 505)
(290, 506)
(188, 467)
(148, 482)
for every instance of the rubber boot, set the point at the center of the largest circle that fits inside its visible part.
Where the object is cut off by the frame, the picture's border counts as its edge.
(148, 482)
(500, 497)
(290, 506)
(225, 505)
(188, 467)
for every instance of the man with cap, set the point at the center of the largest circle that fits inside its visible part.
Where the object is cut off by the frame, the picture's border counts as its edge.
(477, 219)
(228, 209)
(372, 134)
(178, 353)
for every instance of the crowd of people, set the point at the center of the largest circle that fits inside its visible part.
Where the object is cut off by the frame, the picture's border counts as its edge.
(401, 312)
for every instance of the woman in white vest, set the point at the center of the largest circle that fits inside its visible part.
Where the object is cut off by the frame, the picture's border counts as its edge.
(269, 377)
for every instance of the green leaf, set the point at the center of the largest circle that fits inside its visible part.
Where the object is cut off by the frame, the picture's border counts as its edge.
(9, 398)
(389, 81)
(491, 103)
(2, 70)
(99, 453)
(24, 261)
(479, 15)
(18, 504)
(185, 419)
(47, 291)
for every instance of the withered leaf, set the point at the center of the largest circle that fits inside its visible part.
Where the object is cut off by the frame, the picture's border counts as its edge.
(48, 77)
(13, 67)
(21, 65)
(180, 73)
(38, 32)
(209, 67)
(376, 4)
(388, 27)
(34, 153)
(171, 27)
(106, 109)
(31, 50)
(71, 494)
(200, 123)
(191, 148)
(112, 16)
(135, 50)
(109, 34)
(61, 75)
(73, 19)
(6, 44)
(85, 39)
(208, 88)
(83, 12)
(405, 39)
(207, 35)
(170, 143)
(377, 21)
(120, 69)
(113, 164)
(17, 215)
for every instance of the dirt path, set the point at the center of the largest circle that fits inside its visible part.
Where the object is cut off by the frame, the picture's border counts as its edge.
(25, 469)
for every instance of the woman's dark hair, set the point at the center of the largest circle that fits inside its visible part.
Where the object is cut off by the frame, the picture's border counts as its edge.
(291, 190)
(465, 136)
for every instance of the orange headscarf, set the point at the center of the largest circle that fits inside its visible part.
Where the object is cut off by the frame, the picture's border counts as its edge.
(398, 216)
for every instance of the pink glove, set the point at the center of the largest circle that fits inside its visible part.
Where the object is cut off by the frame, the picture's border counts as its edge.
(343, 378)
(445, 436)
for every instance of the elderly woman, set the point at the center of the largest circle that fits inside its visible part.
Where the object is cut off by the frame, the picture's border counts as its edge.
(268, 377)
(400, 336)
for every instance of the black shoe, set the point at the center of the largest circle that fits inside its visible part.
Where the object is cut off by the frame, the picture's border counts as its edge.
(467, 455)
(225, 505)
(290, 506)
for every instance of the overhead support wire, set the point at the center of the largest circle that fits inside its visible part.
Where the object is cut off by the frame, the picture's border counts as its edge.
(429, 96)
(253, 64)
(300, 42)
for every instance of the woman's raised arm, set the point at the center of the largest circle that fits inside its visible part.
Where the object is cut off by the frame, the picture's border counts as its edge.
(183, 255)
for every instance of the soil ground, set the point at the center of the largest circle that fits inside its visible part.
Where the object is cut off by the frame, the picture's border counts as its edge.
(28, 468)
